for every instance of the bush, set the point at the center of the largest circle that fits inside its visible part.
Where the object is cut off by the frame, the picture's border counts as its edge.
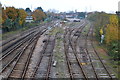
(115, 66)
(113, 48)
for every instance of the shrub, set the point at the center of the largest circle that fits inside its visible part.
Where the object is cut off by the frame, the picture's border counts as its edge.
(113, 48)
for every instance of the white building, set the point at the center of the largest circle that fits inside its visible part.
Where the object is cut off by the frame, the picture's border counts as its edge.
(29, 19)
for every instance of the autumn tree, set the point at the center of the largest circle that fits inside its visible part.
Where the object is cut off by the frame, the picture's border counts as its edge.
(11, 13)
(22, 15)
(38, 15)
(12, 18)
(111, 37)
(112, 29)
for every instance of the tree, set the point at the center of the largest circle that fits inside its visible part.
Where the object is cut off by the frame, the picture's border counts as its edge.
(28, 10)
(13, 18)
(100, 20)
(22, 16)
(38, 15)
(114, 50)
(4, 16)
(39, 8)
(11, 13)
(112, 29)
(107, 24)
(8, 24)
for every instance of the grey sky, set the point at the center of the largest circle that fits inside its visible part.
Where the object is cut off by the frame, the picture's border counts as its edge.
(109, 6)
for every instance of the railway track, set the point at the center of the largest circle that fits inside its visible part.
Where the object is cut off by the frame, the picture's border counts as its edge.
(18, 69)
(44, 64)
(106, 73)
(74, 66)
(12, 41)
(80, 54)
(13, 59)
(16, 43)
(84, 57)
(67, 59)
(88, 58)
(17, 60)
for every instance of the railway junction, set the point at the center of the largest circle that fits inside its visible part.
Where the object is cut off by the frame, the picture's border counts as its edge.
(58, 51)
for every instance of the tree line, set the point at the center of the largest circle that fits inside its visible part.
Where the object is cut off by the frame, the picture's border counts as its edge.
(13, 18)
(107, 25)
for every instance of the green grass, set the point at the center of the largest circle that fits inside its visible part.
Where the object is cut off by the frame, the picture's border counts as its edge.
(86, 29)
(11, 33)
(55, 30)
(58, 54)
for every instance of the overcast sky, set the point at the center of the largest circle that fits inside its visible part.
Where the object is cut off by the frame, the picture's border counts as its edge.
(109, 6)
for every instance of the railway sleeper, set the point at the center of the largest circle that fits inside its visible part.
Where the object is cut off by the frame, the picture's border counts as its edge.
(113, 75)
(106, 75)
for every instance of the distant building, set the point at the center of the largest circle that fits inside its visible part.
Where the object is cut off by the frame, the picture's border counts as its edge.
(29, 19)
(72, 17)
(62, 15)
(69, 15)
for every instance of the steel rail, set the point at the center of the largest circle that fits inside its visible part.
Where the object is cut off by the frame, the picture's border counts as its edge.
(41, 56)
(15, 57)
(23, 50)
(99, 56)
(75, 52)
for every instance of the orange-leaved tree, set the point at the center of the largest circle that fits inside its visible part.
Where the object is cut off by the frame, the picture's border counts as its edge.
(11, 13)
(38, 15)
